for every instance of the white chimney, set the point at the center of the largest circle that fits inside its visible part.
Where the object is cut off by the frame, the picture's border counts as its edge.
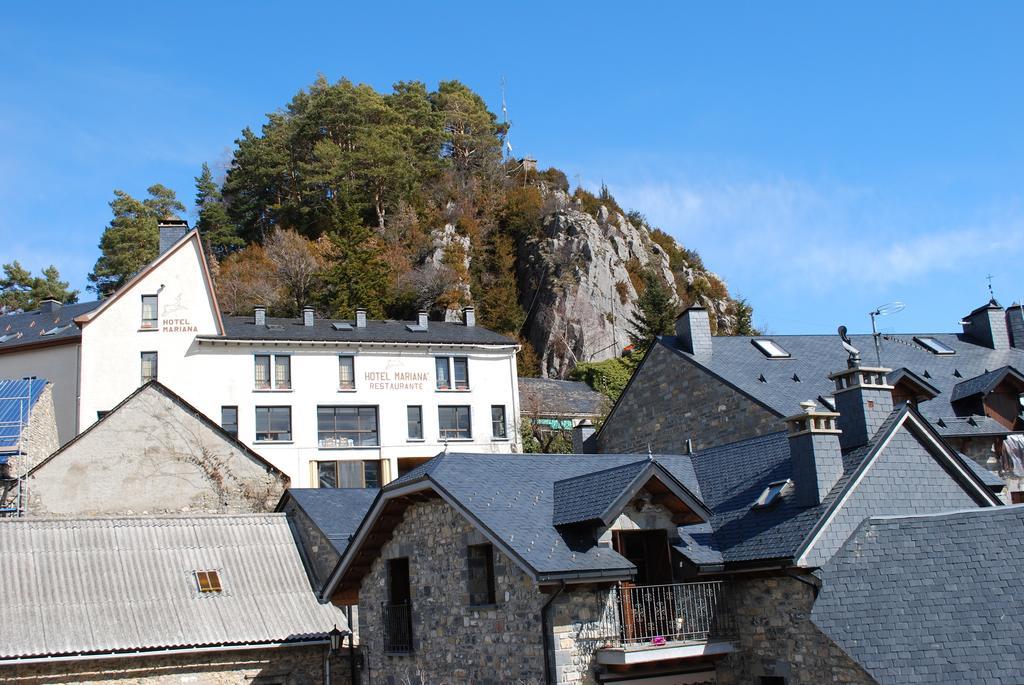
(421, 320)
(260, 318)
(307, 316)
(360, 318)
(469, 317)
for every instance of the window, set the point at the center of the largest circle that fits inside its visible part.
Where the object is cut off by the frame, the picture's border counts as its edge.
(273, 424)
(100, 415)
(415, 416)
(149, 316)
(770, 348)
(346, 373)
(933, 345)
(499, 429)
(346, 426)
(454, 423)
(348, 474)
(148, 367)
(481, 575)
(397, 611)
(452, 368)
(282, 376)
(772, 680)
(1017, 497)
(208, 581)
(229, 420)
(772, 493)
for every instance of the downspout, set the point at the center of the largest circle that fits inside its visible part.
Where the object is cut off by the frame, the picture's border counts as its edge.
(351, 645)
(545, 629)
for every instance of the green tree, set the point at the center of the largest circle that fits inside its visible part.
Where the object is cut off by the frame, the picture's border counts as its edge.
(654, 313)
(132, 239)
(472, 135)
(497, 290)
(744, 314)
(358, 275)
(213, 222)
(19, 289)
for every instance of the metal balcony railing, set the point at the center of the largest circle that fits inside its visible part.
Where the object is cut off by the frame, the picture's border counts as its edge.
(681, 612)
(397, 618)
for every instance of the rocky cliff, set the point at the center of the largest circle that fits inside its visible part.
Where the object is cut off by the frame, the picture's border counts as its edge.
(579, 282)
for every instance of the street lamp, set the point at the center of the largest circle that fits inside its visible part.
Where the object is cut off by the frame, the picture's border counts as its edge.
(335, 636)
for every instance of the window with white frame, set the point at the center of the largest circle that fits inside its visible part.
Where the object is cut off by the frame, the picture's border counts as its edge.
(149, 313)
(454, 423)
(272, 372)
(452, 373)
(346, 372)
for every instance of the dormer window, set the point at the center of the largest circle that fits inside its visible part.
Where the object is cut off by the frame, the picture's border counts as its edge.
(934, 345)
(208, 581)
(772, 493)
(770, 348)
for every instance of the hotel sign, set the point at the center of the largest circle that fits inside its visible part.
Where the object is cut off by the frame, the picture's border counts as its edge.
(178, 326)
(396, 380)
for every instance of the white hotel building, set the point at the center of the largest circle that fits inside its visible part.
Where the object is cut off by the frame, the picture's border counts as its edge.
(330, 403)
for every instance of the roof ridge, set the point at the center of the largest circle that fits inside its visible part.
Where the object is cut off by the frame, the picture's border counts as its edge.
(974, 511)
(142, 520)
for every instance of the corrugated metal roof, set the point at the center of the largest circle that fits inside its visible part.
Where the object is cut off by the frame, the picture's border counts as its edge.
(94, 586)
(17, 397)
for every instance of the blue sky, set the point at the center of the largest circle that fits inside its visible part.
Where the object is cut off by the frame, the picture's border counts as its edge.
(822, 160)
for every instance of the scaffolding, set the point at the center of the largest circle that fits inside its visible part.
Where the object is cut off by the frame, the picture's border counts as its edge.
(13, 488)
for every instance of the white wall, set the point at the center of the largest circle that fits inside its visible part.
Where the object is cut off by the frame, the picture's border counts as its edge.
(59, 365)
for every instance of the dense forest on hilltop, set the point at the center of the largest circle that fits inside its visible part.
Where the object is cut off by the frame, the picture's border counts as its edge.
(403, 201)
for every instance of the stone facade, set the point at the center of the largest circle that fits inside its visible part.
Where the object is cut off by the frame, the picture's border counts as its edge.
(318, 552)
(278, 666)
(39, 437)
(670, 400)
(776, 636)
(153, 456)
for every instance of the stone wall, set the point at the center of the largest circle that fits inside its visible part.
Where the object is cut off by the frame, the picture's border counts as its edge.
(317, 550)
(38, 438)
(153, 456)
(776, 637)
(671, 399)
(277, 666)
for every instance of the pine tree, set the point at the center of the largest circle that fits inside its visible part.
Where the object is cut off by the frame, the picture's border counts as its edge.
(213, 222)
(654, 313)
(19, 289)
(358, 275)
(132, 239)
(498, 292)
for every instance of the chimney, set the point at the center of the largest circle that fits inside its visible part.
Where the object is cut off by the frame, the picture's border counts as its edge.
(307, 316)
(171, 231)
(693, 332)
(814, 452)
(863, 398)
(260, 318)
(1015, 324)
(360, 318)
(49, 306)
(421, 320)
(581, 433)
(986, 326)
(469, 317)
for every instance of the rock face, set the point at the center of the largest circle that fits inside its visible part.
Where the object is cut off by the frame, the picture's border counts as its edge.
(578, 285)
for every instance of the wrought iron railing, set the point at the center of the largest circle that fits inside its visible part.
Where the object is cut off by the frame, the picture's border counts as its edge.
(682, 612)
(397, 618)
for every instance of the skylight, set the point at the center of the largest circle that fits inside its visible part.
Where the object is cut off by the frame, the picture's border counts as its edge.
(772, 493)
(770, 348)
(208, 581)
(341, 326)
(933, 345)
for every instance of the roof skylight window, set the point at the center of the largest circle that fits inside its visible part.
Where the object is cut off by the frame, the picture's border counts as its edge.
(342, 326)
(772, 493)
(770, 348)
(208, 581)
(934, 345)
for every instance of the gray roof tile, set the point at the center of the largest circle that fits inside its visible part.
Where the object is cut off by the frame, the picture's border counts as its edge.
(337, 512)
(285, 330)
(19, 329)
(554, 398)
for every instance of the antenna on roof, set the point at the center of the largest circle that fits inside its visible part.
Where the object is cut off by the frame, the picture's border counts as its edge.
(884, 310)
(991, 293)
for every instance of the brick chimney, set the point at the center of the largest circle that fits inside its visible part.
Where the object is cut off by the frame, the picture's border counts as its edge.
(863, 398)
(693, 332)
(171, 231)
(260, 315)
(814, 452)
(986, 326)
(307, 316)
(469, 317)
(1015, 325)
(360, 318)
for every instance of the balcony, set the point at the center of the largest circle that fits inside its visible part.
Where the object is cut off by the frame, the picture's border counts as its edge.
(656, 622)
(397, 620)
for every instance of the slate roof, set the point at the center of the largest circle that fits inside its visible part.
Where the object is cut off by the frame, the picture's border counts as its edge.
(812, 358)
(97, 586)
(21, 329)
(929, 599)
(982, 384)
(337, 512)
(17, 399)
(322, 330)
(558, 399)
(587, 498)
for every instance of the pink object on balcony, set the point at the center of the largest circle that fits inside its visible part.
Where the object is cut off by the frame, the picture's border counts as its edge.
(657, 640)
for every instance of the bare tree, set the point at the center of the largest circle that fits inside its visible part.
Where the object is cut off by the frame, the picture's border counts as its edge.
(298, 263)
